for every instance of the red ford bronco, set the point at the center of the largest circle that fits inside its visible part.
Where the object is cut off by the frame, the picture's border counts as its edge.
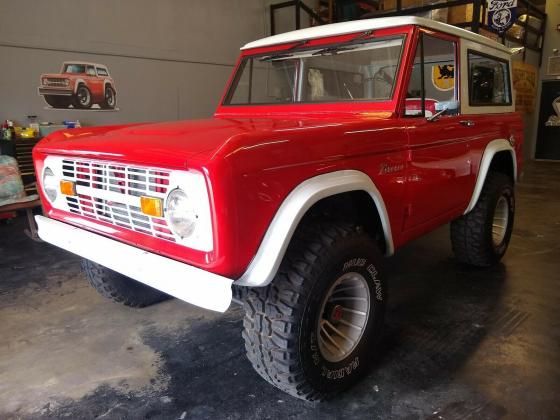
(331, 147)
(79, 84)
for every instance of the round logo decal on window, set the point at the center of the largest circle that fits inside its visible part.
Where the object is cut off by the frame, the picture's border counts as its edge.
(443, 76)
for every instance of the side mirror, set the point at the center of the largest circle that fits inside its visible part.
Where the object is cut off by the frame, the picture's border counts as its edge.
(436, 116)
(444, 107)
(452, 107)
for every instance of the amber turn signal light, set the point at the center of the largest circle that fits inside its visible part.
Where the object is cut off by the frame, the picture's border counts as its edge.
(151, 206)
(67, 188)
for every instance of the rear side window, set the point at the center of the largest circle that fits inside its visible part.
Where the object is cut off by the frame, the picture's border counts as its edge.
(102, 72)
(489, 82)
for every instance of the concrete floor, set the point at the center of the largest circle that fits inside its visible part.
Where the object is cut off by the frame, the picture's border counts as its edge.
(459, 343)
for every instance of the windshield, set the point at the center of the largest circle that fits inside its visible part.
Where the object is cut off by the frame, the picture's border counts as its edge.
(345, 72)
(74, 68)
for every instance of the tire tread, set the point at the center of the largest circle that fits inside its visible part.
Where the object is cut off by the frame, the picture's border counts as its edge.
(469, 232)
(111, 285)
(273, 313)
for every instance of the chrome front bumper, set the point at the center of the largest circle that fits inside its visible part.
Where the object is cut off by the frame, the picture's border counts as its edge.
(55, 91)
(185, 282)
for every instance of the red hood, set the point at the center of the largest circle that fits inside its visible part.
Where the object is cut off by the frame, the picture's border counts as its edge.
(172, 144)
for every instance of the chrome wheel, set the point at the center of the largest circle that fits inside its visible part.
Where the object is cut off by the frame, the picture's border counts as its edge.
(110, 97)
(500, 221)
(344, 316)
(84, 97)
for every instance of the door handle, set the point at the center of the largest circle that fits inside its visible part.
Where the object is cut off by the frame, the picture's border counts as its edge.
(468, 123)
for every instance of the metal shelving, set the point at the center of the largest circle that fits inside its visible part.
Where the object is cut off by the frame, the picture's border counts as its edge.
(475, 23)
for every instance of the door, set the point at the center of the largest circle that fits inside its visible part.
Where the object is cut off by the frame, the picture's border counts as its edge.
(439, 171)
(95, 84)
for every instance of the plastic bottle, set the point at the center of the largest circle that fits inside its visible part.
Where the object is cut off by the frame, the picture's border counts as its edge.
(12, 130)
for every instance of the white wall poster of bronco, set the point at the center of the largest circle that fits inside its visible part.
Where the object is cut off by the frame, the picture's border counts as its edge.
(79, 85)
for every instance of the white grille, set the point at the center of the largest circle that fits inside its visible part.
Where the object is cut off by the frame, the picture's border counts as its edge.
(109, 192)
(51, 81)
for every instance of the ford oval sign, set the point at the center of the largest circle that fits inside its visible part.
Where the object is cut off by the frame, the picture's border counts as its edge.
(501, 14)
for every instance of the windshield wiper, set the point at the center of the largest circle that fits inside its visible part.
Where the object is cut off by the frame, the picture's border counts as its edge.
(275, 57)
(333, 50)
(283, 54)
(343, 46)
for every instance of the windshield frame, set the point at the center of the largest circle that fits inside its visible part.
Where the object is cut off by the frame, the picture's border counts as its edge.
(405, 31)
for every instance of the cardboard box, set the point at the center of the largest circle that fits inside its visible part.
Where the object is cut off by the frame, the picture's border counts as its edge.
(388, 5)
(439, 14)
(464, 13)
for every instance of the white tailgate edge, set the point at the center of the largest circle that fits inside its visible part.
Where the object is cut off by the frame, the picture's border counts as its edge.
(185, 282)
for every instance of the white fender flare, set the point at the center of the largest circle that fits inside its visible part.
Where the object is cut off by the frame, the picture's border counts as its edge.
(77, 83)
(264, 265)
(490, 151)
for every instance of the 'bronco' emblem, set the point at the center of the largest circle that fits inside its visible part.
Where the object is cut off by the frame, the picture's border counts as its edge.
(386, 168)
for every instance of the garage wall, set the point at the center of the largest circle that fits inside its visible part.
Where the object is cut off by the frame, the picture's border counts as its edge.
(170, 59)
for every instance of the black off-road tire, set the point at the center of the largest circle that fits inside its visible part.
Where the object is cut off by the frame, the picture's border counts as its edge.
(82, 104)
(58, 101)
(109, 98)
(471, 234)
(239, 293)
(280, 324)
(119, 288)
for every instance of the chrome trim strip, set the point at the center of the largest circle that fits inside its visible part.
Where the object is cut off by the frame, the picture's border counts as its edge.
(265, 264)
(491, 149)
(185, 282)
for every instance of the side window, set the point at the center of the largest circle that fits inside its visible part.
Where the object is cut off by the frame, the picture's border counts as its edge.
(90, 71)
(432, 86)
(488, 80)
(102, 72)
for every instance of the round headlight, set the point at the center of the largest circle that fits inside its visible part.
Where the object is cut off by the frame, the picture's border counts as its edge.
(50, 186)
(181, 213)
(66, 82)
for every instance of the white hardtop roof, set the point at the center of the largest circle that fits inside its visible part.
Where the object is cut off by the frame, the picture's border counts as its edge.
(371, 24)
(84, 63)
